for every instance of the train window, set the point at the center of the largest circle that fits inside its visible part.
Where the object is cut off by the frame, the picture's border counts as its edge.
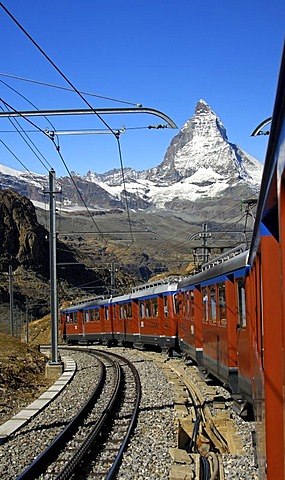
(142, 309)
(96, 314)
(75, 317)
(185, 303)
(165, 306)
(147, 308)
(222, 313)
(191, 311)
(106, 313)
(154, 307)
(121, 312)
(241, 304)
(213, 305)
(129, 310)
(86, 316)
(176, 303)
(205, 304)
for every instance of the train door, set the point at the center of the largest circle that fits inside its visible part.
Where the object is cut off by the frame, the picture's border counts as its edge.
(198, 330)
(243, 341)
(282, 283)
(270, 350)
(72, 332)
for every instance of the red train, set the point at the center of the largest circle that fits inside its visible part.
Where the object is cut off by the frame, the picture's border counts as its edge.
(146, 316)
(230, 317)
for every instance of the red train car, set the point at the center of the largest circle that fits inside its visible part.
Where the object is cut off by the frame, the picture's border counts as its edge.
(209, 331)
(87, 322)
(230, 317)
(146, 316)
(157, 314)
(266, 306)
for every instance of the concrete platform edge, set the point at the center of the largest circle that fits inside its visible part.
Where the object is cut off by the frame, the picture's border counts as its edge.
(30, 411)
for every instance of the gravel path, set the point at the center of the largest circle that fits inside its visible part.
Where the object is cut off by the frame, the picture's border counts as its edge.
(27, 443)
(147, 456)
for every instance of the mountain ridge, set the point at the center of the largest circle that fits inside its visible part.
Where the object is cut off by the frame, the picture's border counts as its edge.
(200, 163)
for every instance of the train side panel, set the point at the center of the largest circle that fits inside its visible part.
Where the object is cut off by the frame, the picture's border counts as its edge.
(272, 353)
(243, 339)
(190, 323)
(157, 320)
(219, 354)
(281, 168)
(92, 324)
(125, 321)
(72, 325)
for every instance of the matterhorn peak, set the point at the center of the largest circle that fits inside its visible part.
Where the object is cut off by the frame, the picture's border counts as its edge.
(200, 165)
(202, 107)
(202, 154)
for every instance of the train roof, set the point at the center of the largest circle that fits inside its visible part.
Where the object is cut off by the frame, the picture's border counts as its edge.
(229, 263)
(141, 291)
(147, 290)
(85, 303)
(267, 207)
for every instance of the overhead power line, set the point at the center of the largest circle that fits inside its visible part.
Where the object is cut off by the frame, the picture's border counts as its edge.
(93, 110)
(27, 100)
(46, 84)
(23, 165)
(22, 134)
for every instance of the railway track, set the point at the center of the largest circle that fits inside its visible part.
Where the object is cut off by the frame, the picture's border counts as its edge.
(107, 419)
(202, 439)
(195, 451)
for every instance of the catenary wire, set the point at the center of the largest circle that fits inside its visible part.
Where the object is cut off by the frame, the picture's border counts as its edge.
(66, 79)
(22, 134)
(124, 185)
(70, 89)
(78, 191)
(63, 161)
(213, 217)
(56, 67)
(32, 104)
(23, 165)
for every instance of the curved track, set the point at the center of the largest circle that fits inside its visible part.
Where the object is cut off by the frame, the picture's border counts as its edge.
(117, 378)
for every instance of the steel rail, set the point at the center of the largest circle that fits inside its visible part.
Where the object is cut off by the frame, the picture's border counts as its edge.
(209, 465)
(39, 465)
(86, 444)
(70, 467)
(113, 470)
(50, 454)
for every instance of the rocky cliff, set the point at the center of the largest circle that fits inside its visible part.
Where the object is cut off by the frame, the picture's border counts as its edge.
(200, 166)
(23, 241)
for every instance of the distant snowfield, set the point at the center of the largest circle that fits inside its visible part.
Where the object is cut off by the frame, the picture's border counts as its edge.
(200, 156)
(61, 207)
(205, 182)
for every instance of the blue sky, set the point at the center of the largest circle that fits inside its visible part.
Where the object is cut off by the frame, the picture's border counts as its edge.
(163, 54)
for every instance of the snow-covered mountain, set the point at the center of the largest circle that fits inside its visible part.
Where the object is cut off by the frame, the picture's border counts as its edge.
(200, 164)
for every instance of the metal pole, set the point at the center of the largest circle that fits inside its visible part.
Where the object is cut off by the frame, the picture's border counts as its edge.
(113, 278)
(27, 323)
(205, 235)
(205, 253)
(53, 275)
(11, 291)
